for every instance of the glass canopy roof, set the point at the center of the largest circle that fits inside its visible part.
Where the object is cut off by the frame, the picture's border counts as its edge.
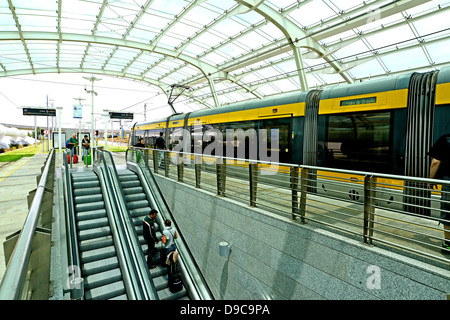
(225, 51)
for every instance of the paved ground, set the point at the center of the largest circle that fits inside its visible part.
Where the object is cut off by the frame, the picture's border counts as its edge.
(17, 179)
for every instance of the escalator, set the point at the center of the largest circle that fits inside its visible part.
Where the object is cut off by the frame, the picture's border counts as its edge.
(139, 207)
(99, 260)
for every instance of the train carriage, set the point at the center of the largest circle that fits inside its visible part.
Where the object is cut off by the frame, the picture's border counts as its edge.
(382, 126)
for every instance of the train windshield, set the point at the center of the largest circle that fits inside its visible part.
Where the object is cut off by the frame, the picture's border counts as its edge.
(359, 142)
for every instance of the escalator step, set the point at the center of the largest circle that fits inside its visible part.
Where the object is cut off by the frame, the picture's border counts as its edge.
(102, 279)
(83, 175)
(130, 184)
(106, 292)
(140, 212)
(86, 184)
(92, 244)
(94, 214)
(94, 233)
(158, 271)
(135, 197)
(167, 295)
(87, 191)
(160, 282)
(100, 266)
(133, 190)
(138, 204)
(121, 297)
(92, 223)
(82, 207)
(88, 198)
(98, 254)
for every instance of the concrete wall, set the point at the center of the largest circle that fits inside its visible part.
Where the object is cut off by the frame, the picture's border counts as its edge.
(275, 258)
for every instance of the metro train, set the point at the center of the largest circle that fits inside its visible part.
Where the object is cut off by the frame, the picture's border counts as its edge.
(383, 126)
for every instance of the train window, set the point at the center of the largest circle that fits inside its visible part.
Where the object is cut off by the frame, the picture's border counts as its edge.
(359, 142)
(175, 137)
(152, 135)
(136, 136)
(242, 146)
(277, 129)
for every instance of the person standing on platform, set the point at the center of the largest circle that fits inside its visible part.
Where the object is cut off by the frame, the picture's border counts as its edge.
(140, 144)
(160, 144)
(440, 169)
(73, 143)
(85, 143)
(149, 233)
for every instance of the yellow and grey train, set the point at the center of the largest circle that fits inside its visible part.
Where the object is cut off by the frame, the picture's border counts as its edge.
(382, 126)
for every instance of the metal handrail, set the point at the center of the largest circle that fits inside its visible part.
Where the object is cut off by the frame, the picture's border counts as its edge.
(13, 280)
(76, 287)
(145, 286)
(299, 194)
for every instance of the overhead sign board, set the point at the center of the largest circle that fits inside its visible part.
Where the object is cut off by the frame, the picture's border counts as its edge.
(121, 115)
(78, 111)
(39, 112)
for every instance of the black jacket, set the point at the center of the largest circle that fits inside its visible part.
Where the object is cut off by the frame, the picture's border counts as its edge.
(148, 228)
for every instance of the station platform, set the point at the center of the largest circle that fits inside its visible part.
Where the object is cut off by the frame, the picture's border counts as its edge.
(17, 180)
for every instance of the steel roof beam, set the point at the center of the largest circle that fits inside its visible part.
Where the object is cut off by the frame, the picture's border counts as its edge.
(94, 30)
(19, 28)
(335, 26)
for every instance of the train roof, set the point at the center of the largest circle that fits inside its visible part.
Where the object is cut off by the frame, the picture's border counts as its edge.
(444, 75)
(367, 87)
(372, 86)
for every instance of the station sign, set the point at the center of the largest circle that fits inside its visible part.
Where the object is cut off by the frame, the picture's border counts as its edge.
(77, 111)
(39, 112)
(121, 115)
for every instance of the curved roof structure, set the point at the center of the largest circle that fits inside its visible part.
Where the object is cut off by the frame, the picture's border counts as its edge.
(217, 52)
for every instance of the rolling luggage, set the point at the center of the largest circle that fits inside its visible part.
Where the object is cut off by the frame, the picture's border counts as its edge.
(174, 275)
(74, 158)
(87, 158)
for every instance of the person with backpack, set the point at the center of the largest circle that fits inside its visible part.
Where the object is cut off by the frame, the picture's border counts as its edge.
(149, 233)
(168, 240)
(72, 143)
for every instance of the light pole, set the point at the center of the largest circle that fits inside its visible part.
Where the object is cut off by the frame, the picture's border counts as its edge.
(92, 92)
(79, 123)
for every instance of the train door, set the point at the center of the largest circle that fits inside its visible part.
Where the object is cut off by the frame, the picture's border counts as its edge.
(277, 141)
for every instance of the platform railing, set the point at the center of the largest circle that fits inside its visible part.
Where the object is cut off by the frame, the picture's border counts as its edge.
(400, 212)
(28, 267)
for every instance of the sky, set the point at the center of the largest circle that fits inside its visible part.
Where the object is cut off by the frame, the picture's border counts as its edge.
(120, 95)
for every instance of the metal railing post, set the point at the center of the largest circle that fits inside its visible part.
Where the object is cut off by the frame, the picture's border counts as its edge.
(369, 208)
(198, 170)
(253, 175)
(166, 163)
(294, 191)
(180, 167)
(221, 176)
(303, 193)
(155, 160)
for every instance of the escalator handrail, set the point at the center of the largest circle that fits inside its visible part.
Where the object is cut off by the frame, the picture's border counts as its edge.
(71, 225)
(145, 285)
(169, 212)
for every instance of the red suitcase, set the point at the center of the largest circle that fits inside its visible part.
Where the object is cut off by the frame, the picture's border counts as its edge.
(74, 158)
